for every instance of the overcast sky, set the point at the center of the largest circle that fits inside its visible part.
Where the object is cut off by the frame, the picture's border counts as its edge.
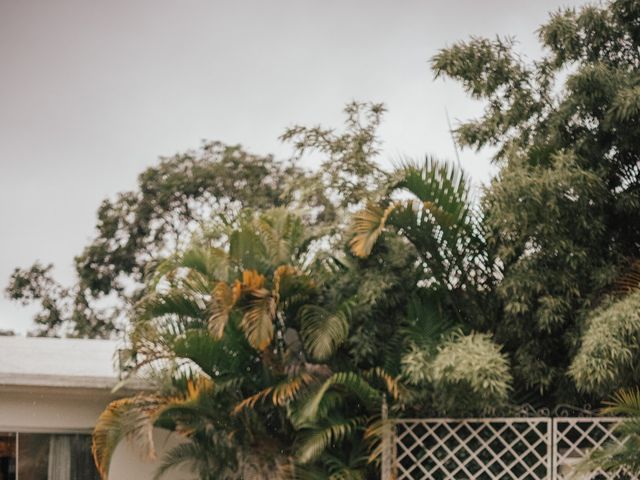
(92, 92)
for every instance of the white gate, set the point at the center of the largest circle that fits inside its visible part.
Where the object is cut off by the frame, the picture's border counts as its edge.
(539, 448)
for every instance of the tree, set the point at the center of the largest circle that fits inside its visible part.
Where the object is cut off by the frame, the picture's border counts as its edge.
(234, 340)
(427, 207)
(348, 172)
(609, 353)
(270, 324)
(139, 229)
(240, 335)
(562, 214)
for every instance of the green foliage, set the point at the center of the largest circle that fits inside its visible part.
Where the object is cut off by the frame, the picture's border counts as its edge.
(444, 237)
(323, 331)
(563, 214)
(139, 229)
(348, 171)
(609, 355)
(470, 375)
(465, 374)
(441, 225)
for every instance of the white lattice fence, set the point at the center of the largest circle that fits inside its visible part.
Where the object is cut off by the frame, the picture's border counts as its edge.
(473, 449)
(574, 437)
(497, 448)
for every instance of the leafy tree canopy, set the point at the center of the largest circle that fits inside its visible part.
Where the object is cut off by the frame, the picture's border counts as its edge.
(563, 214)
(185, 193)
(139, 228)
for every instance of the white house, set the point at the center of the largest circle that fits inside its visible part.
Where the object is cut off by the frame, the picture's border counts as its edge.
(51, 394)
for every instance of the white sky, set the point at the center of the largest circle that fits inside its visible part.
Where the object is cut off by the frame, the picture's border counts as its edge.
(92, 92)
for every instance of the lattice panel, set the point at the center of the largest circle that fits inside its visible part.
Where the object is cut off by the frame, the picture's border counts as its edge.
(574, 438)
(482, 449)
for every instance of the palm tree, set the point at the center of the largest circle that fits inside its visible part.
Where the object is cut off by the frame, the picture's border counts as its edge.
(428, 207)
(248, 335)
(453, 273)
(237, 336)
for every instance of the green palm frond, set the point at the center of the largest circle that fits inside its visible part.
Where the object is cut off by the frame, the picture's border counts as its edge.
(220, 359)
(425, 324)
(438, 219)
(324, 331)
(282, 233)
(319, 439)
(624, 402)
(209, 262)
(350, 383)
(179, 302)
(246, 250)
(622, 454)
(440, 186)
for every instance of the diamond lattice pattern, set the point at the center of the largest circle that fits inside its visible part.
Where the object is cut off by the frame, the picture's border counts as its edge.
(574, 438)
(509, 449)
(500, 449)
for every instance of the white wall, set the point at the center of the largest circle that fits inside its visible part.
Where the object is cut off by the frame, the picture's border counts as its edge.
(50, 411)
(127, 464)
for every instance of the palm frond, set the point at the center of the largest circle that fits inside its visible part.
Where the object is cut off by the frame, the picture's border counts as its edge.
(624, 402)
(349, 381)
(281, 232)
(324, 331)
(319, 439)
(179, 302)
(221, 359)
(223, 299)
(131, 418)
(281, 394)
(392, 385)
(368, 225)
(257, 321)
(210, 262)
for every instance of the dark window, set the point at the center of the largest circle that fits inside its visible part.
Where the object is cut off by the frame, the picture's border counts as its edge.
(7, 456)
(43, 456)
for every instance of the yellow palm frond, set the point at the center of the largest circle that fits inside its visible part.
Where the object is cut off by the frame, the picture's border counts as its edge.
(250, 402)
(393, 387)
(289, 390)
(252, 280)
(281, 394)
(368, 225)
(198, 385)
(257, 321)
(131, 418)
(279, 275)
(224, 299)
